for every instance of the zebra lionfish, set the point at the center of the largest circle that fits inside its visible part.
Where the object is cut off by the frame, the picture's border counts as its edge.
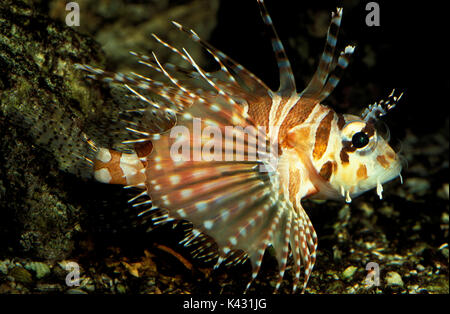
(246, 201)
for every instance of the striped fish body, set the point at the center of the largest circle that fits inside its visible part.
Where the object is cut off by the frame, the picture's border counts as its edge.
(236, 159)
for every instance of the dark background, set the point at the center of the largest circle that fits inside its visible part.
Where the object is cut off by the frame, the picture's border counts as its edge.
(409, 47)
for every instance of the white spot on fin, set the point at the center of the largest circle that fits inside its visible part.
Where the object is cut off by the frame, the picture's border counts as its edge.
(104, 155)
(102, 175)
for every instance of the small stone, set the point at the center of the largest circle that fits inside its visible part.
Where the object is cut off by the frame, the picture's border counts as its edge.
(76, 291)
(344, 212)
(417, 186)
(40, 269)
(21, 275)
(444, 252)
(87, 284)
(4, 267)
(89, 288)
(48, 287)
(420, 267)
(349, 272)
(367, 209)
(444, 218)
(413, 289)
(120, 288)
(388, 211)
(394, 279)
(417, 226)
(370, 245)
(337, 254)
(443, 192)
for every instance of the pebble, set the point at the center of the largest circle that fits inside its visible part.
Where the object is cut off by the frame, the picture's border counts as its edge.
(40, 269)
(349, 272)
(4, 267)
(344, 213)
(443, 192)
(444, 252)
(76, 291)
(337, 254)
(417, 186)
(21, 275)
(367, 209)
(394, 279)
(48, 287)
(413, 289)
(413, 272)
(444, 218)
(388, 211)
(120, 288)
(420, 267)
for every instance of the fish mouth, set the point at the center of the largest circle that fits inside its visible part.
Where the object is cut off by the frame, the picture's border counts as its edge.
(393, 172)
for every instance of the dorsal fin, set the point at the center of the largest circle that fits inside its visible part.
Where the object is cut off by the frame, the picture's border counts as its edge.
(287, 80)
(325, 64)
(329, 70)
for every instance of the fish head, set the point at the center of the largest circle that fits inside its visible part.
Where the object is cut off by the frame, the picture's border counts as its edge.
(346, 155)
(362, 159)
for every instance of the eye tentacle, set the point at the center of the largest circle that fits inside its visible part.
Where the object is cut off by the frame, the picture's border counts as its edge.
(379, 109)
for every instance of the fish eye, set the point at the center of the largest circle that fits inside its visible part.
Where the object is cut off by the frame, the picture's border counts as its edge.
(360, 139)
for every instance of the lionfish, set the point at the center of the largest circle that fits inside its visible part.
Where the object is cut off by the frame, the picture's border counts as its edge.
(246, 198)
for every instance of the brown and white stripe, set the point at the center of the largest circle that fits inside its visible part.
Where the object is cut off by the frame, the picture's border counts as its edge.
(115, 167)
